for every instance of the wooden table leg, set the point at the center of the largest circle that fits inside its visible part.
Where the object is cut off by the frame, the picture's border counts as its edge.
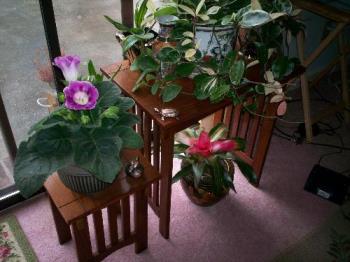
(82, 240)
(344, 77)
(62, 229)
(167, 150)
(141, 221)
(305, 89)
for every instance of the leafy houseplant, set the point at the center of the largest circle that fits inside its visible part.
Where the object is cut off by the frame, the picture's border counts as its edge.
(265, 24)
(207, 164)
(88, 131)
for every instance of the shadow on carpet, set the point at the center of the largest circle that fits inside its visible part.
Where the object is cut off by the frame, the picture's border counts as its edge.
(315, 246)
(14, 245)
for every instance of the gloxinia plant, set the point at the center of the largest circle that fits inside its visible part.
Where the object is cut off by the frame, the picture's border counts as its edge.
(88, 130)
(205, 153)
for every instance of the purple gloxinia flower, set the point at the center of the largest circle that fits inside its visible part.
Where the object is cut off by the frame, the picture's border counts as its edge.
(80, 95)
(69, 66)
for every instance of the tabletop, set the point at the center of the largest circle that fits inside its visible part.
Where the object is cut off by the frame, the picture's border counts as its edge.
(190, 109)
(74, 205)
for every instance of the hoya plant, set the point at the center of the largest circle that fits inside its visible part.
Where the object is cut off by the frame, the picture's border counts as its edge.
(88, 130)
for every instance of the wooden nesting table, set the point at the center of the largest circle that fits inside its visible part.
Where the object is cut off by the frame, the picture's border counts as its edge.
(72, 209)
(159, 135)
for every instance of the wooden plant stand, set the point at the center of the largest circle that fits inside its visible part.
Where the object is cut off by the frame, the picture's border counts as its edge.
(159, 135)
(72, 209)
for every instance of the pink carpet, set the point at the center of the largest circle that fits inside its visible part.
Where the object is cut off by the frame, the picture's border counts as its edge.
(253, 225)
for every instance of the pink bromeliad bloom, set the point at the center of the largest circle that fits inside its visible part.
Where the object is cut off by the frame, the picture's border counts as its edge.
(203, 146)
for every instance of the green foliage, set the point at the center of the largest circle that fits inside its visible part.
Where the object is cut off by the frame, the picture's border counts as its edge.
(212, 173)
(168, 55)
(89, 139)
(170, 92)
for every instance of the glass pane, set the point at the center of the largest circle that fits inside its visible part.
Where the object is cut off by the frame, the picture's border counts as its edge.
(6, 178)
(25, 73)
(83, 30)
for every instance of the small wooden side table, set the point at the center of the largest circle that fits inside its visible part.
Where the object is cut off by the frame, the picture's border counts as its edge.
(72, 209)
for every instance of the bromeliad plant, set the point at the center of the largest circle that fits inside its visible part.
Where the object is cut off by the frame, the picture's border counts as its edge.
(89, 130)
(206, 154)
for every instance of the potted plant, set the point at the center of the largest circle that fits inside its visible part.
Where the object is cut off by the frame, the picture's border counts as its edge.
(266, 24)
(207, 168)
(82, 139)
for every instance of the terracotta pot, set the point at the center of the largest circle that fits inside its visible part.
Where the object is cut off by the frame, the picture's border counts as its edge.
(80, 180)
(203, 195)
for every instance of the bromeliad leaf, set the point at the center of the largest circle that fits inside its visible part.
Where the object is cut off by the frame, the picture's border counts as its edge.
(218, 132)
(198, 170)
(185, 171)
(247, 171)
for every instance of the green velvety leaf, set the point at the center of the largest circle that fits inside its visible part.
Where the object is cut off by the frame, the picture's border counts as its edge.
(119, 26)
(129, 41)
(237, 72)
(168, 55)
(170, 92)
(31, 168)
(127, 119)
(98, 151)
(185, 171)
(109, 94)
(184, 69)
(247, 171)
(54, 140)
(130, 138)
(124, 103)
